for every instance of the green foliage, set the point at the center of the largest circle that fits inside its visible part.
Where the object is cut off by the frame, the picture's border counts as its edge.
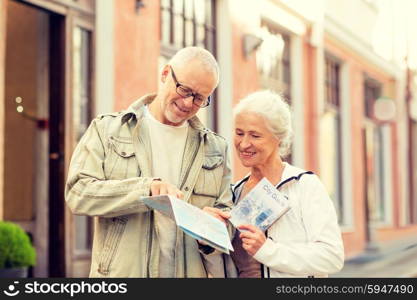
(15, 247)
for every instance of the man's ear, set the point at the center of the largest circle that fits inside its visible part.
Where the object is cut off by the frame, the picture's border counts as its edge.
(165, 73)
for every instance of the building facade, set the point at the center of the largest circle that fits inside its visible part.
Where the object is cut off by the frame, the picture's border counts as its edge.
(65, 61)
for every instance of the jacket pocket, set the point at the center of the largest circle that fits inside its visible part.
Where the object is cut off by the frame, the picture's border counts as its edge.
(111, 243)
(121, 162)
(207, 187)
(213, 161)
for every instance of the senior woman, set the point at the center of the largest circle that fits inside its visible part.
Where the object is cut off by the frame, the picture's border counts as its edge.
(306, 241)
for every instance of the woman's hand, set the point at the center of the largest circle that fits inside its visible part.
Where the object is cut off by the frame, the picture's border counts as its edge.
(252, 238)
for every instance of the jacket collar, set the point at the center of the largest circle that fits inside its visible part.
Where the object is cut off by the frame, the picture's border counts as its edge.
(289, 172)
(136, 111)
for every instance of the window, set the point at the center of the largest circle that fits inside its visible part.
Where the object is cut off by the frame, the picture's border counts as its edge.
(273, 61)
(189, 23)
(81, 118)
(375, 164)
(332, 82)
(331, 134)
(82, 90)
(372, 90)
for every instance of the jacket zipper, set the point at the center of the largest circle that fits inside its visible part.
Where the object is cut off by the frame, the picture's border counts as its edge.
(189, 167)
(181, 186)
(148, 254)
(267, 268)
(224, 265)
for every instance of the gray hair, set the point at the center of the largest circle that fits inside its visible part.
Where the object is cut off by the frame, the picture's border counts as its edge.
(187, 54)
(276, 112)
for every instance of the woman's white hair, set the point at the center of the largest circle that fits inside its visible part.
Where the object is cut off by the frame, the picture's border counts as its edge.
(187, 54)
(276, 112)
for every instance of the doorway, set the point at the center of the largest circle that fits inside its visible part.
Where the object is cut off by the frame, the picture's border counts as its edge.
(34, 131)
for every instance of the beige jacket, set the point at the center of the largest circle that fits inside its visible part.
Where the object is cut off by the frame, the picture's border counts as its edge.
(111, 169)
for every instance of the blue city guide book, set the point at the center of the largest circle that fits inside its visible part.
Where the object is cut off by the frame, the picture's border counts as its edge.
(193, 221)
(261, 207)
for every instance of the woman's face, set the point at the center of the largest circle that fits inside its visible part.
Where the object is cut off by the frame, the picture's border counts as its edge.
(254, 143)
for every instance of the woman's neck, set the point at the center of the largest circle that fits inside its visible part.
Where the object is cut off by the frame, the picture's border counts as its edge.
(272, 171)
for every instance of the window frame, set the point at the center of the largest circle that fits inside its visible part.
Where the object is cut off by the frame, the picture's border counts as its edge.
(86, 26)
(283, 80)
(372, 90)
(333, 106)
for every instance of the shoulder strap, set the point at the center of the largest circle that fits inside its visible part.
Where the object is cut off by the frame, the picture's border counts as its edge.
(235, 187)
(294, 178)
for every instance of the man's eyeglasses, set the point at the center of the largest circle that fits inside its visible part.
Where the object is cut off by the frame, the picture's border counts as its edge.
(186, 92)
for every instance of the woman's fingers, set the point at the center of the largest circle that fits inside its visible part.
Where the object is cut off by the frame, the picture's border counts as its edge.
(249, 227)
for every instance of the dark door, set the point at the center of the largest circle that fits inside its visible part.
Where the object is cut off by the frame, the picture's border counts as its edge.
(57, 146)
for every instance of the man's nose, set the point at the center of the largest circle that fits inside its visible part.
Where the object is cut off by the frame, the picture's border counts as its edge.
(188, 101)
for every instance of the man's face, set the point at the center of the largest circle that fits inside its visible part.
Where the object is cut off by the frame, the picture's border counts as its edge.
(176, 109)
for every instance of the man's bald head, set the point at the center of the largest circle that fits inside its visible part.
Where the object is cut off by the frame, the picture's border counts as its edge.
(196, 54)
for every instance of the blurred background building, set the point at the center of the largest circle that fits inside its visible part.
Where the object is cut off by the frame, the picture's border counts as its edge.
(348, 69)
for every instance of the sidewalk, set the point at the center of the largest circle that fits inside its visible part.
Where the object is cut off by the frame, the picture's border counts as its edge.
(394, 262)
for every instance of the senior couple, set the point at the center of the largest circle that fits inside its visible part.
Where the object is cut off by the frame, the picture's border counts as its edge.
(158, 146)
